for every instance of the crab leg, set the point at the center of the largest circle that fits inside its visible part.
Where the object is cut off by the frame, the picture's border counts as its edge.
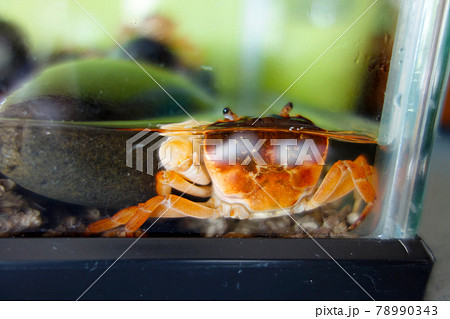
(166, 180)
(346, 183)
(342, 178)
(170, 206)
(120, 218)
(364, 187)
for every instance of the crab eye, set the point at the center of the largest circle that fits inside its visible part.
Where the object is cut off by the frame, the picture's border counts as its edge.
(229, 115)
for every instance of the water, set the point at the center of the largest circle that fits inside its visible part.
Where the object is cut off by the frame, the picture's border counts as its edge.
(70, 176)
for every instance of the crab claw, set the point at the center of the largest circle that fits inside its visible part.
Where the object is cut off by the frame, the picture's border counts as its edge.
(286, 110)
(229, 115)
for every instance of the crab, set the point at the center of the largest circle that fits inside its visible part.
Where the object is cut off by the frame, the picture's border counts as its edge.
(240, 174)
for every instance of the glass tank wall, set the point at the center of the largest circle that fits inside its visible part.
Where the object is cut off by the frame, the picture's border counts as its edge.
(247, 118)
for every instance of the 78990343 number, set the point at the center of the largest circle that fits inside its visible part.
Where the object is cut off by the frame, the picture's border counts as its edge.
(407, 310)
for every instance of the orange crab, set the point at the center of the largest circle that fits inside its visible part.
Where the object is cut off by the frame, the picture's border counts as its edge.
(249, 168)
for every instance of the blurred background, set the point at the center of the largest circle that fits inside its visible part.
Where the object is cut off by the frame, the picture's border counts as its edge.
(247, 52)
(435, 221)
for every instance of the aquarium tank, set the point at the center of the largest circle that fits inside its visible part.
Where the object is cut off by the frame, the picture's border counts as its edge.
(234, 119)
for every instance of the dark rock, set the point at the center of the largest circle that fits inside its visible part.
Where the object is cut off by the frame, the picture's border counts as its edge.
(45, 150)
(74, 164)
(104, 90)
